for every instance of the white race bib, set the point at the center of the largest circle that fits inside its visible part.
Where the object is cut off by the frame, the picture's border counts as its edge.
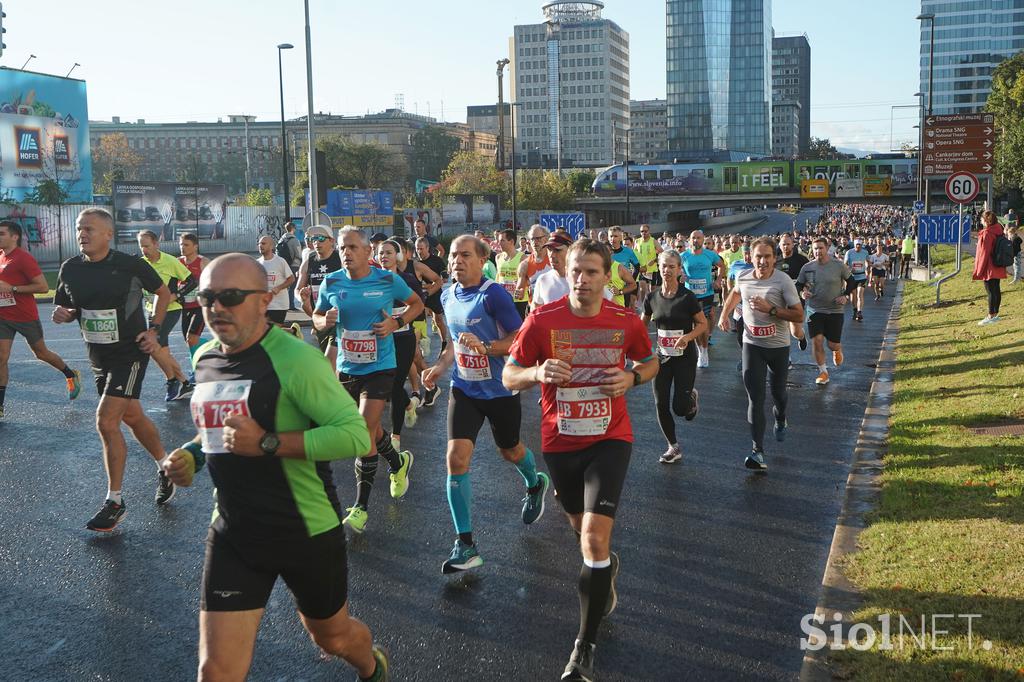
(212, 403)
(6, 299)
(583, 411)
(510, 287)
(191, 297)
(99, 326)
(667, 342)
(756, 331)
(857, 266)
(360, 348)
(472, 365)
(699, 287)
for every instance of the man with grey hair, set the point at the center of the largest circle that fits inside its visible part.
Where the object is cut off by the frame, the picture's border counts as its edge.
(101, 290)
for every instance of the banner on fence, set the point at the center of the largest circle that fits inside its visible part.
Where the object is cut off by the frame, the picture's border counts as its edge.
(170, 209)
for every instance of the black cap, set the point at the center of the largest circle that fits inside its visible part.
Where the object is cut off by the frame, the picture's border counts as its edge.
(379, 237)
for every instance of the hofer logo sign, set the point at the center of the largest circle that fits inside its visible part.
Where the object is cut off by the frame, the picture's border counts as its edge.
(28, 141)
(61, 150)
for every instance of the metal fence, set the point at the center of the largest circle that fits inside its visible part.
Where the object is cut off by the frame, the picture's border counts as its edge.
(55, 227)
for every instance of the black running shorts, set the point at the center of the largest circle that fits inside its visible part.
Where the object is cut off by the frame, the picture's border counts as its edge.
(861, 283)
(121, 380)
(192, 322)
(326, 338)
(32, 331)
(829, 325)
(277, 316)
(466, 415)
(433, 303)
(240, 577)
(375, 385)
(879, 272)
(523, 308)
(591, 479)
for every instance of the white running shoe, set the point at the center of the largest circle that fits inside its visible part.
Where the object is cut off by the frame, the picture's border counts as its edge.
(410, 412)
(672, 455)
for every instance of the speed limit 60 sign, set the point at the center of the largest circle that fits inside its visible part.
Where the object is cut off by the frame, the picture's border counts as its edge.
(962, 187)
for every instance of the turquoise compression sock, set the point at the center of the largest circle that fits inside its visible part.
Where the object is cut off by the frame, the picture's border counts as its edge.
(528, 469)
(460, 498)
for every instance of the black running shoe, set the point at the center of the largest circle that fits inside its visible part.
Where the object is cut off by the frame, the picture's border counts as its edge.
(692, 414)
(429, 397)
(185, 391)
(581, 663)
(165, 490)
(107, 518)
(802, 343)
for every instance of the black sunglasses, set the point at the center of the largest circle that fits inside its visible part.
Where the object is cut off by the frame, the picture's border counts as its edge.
(228, 298)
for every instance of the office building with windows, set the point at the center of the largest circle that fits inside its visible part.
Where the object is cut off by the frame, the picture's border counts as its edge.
(719, 78)
(971, 38)
(648, 130)
(570, 81)
(791, 85)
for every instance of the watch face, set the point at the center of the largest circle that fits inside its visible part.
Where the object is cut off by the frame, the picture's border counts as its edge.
(270, 442)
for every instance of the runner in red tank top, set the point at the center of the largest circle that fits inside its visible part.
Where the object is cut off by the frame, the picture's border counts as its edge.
(576, 349)
(192, 324)
(20, 280)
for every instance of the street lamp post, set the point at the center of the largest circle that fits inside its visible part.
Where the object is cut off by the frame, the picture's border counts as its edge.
(284, 137)
(512, 106)
(310, 135)
(931, 81)
(626, 167)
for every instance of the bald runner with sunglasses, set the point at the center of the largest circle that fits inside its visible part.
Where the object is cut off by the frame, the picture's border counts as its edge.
(270, 417)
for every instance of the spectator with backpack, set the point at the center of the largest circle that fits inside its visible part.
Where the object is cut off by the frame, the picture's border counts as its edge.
(994, 254)
(289, 248)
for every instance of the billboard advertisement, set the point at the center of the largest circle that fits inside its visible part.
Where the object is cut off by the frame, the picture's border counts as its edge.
(359, 207)
(849, 187)
(814, 189)
(877, 187)
(44, 134)
(170, 209)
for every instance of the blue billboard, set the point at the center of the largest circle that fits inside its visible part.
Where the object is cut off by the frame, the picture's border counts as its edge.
(360, 207)
(44, 134)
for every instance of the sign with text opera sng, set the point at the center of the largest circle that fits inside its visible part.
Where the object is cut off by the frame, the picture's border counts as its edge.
(44, 134)
(959, 143)
(814, 189)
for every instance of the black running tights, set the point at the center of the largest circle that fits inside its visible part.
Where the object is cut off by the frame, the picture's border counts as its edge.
(760, 363)
(672, 389)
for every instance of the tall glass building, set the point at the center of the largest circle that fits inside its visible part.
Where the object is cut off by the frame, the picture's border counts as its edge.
(971, 38)
(719, 72)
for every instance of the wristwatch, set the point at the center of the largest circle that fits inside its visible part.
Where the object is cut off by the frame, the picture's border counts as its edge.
(487, 348)
(14, 290)
(774, 310)
(270, 443)
(637, 379)
(155, 326)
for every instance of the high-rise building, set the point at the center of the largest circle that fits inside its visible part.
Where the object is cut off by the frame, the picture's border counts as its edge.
(648, 126)
(719, 78)
(791, 83)
(971, 38)
(786, 129)
(570, 83)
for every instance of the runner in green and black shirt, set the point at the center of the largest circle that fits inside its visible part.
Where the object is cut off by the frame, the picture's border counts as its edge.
(101, 289)
(271, 417)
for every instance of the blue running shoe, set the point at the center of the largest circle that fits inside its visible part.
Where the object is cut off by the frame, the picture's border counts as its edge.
(463, 557)
(755, 461)
(533, 503)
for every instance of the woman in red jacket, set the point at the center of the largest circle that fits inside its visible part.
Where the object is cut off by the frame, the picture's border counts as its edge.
(985, 269)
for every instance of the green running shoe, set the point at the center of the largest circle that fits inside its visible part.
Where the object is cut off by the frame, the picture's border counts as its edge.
(400, 479)
(74, 384)
(356, 519)
(463, 557)
(533, 503)
(382, 672)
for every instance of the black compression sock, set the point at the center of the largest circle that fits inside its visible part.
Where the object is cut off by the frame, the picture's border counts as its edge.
(366, 471)
(3, 393)
(467, 538)
(386, 450)
(67, 372)
(595, 585)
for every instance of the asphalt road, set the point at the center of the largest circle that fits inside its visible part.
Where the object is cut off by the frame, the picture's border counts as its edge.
(718, 564)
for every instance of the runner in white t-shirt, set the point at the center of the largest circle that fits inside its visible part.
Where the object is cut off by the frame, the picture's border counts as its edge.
(279, 278)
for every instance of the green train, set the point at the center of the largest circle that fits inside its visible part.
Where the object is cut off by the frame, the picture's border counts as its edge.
(667, 179)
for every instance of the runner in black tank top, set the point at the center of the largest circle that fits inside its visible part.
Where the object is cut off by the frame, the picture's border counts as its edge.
(324, 260)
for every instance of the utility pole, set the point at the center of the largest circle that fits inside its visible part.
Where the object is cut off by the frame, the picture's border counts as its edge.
(502, 63)
(314, 199)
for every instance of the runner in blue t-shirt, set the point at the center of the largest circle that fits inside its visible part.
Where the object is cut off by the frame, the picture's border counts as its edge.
(698, 266)
(357, 302)
(857, 260)
(483, 322)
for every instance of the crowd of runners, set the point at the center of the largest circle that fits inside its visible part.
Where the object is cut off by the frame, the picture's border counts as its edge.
(587, 318)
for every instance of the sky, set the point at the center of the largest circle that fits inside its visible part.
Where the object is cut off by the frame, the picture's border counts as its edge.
(199, 60)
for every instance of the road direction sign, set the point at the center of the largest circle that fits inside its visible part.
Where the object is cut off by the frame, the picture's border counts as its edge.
(958, 142)
(962, 187)
(574, 223)
(918, 205)
(943, 229)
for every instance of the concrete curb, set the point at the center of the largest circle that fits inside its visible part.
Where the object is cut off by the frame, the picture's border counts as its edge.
(839, 595)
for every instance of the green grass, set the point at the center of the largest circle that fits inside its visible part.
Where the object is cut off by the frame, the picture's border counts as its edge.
(51, 279)
(947, 536)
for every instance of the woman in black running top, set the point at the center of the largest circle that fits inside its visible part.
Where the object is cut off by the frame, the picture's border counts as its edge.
(679, 319)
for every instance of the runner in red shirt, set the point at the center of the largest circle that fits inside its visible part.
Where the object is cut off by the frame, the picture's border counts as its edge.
(20, 280)
(192, 324)
(576, 349)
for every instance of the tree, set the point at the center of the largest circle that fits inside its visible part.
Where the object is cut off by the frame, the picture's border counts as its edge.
(1006, 101)
(47, 192)
(539, 189)
(258, 197)
(351, 165)
(821, 148)
(581, 181)
(432, 151)
(113, 159)
(191, 170)
(471, 173)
